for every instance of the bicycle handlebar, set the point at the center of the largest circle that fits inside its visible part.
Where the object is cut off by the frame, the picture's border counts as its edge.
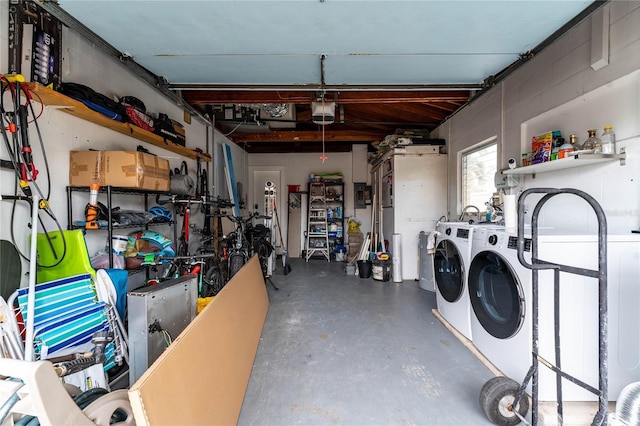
(156, 260)
(174, 199)
(240, 219)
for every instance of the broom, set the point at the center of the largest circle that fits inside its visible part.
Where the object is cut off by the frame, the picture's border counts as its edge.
(285, 254)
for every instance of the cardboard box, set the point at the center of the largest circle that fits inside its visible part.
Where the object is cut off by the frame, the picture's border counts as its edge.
(133, 169)
(84, 167)
(126, 169)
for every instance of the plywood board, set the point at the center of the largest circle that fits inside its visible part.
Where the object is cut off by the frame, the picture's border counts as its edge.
(202, 377)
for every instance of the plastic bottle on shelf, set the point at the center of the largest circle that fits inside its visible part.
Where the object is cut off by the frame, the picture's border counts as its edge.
(608, 140)
(565, 149)
(573, 140)
(557, 143)
(593, 142)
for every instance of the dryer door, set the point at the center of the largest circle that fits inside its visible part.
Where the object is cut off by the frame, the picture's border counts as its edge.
(449, 271)
(496, 295)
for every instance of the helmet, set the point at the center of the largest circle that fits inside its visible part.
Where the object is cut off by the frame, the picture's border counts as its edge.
(162, 214)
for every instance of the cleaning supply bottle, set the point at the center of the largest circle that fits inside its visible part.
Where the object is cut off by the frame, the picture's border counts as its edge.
(565, 149)
(608, 140)
(489, 212)
(573, 140)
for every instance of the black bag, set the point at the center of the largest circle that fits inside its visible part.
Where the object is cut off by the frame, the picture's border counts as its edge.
(94, 100)
(181, 182)
(164, 127)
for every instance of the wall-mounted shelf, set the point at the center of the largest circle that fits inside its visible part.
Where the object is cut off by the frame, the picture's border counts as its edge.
(577, 160)
(78, 109)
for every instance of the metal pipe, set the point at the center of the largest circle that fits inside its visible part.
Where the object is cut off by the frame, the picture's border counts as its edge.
(31, 298)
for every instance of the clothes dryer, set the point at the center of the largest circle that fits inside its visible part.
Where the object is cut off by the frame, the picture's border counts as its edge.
(451, 264)
(499, 293)
(501, 321)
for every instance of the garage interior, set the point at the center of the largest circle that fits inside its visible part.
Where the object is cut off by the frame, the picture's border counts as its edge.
(390, 160)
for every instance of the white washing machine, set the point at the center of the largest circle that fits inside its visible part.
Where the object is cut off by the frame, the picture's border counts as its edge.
(499, 293)
(501, 321)
(451, 264)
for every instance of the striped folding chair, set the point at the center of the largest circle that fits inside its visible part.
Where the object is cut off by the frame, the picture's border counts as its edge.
(63, 254)
(66, 315)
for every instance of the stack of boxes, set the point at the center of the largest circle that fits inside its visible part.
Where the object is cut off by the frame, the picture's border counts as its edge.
(355, 243)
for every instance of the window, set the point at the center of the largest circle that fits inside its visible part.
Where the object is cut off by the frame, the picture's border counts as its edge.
(479, 166)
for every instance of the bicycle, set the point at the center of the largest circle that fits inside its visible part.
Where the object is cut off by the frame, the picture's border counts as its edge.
(216, 275)
(246, 241)
(260, 238)
(176, 266)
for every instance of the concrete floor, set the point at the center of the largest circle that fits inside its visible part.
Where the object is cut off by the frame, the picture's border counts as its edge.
(338, 349)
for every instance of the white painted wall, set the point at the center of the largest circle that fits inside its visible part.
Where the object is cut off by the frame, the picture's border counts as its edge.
(83, 63)
(558, 89)
(298, 167)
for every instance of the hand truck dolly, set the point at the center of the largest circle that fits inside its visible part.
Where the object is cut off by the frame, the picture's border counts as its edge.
(502, 399)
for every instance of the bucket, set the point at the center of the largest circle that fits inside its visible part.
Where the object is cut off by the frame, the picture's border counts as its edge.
(381, 270)
(119, 243)
(293, 188)
(364, 268)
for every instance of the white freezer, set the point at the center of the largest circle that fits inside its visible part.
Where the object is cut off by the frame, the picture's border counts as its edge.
(415, 199)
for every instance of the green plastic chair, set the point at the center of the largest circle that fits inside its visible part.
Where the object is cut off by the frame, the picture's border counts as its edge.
(56, 262)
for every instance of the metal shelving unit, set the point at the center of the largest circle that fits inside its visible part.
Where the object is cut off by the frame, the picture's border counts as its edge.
(109, 191)
(317, 225)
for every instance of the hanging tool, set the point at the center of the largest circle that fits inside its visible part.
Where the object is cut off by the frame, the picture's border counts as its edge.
(15, 135)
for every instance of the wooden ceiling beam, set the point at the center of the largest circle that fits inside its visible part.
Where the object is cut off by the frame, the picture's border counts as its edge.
(274, 148)
(217, 97)
(308, 136)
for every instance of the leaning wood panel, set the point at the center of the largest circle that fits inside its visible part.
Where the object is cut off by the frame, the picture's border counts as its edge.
(202, 377)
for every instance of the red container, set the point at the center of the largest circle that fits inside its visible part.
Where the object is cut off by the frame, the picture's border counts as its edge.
(294, 188)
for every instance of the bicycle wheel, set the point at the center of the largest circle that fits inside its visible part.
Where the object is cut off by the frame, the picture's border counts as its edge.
(212, 282)
(236, 261)
(264, 251)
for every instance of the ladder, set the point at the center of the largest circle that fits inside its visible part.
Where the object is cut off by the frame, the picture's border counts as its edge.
(317, 228)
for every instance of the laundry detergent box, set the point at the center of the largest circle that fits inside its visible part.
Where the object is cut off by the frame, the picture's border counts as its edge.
(125, 169)
(541, 146)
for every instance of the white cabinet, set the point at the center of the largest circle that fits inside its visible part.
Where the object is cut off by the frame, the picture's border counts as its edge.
(412, 188)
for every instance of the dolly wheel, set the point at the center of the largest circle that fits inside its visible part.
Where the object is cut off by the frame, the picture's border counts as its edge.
(496, 399)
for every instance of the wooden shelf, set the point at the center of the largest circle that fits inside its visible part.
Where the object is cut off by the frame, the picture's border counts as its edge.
(577, 160)
(78, 109)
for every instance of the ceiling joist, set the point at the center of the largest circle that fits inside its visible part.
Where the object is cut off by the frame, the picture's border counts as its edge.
(309, 136)
(209, 97)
